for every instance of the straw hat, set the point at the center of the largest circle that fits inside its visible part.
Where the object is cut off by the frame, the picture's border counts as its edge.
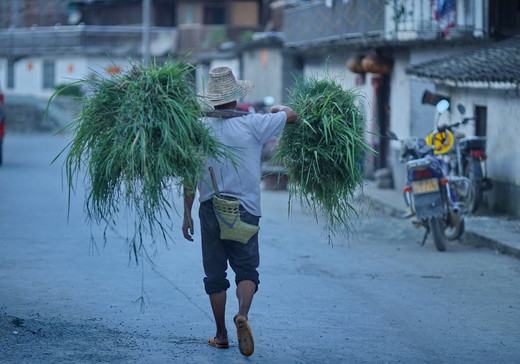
(223, 87)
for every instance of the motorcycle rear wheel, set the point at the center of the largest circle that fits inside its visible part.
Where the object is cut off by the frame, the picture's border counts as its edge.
(476, 190)
(455, 232)
(439, 236)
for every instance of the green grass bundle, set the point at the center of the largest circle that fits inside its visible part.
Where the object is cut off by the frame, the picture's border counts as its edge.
(323, 153)
(138, 138)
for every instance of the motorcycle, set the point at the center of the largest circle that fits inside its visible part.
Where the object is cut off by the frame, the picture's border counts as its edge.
(466, 157)
(434, 198)
(473, 156)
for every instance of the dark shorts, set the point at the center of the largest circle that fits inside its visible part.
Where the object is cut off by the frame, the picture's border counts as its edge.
(244, 259)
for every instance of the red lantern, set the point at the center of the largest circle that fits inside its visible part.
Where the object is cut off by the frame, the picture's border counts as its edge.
(354, 64)
(377, 63)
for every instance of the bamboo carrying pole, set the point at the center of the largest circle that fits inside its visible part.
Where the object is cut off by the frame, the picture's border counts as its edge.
(224, 114)
(214, 181)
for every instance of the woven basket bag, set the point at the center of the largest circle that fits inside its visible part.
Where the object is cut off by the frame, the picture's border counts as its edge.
(228, 217)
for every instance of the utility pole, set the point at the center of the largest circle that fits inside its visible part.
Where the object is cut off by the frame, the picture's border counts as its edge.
(146, 31)
(15, 20)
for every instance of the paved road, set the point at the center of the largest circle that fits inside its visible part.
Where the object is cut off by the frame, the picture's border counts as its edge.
(375, 298)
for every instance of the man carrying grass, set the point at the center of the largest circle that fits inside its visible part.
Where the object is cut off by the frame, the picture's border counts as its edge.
(240, 180)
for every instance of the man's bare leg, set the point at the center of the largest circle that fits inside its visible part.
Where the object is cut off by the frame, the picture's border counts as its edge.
(218, 305)
(245, 293)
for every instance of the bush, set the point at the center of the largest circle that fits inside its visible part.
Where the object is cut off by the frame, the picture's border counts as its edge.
(71, 89)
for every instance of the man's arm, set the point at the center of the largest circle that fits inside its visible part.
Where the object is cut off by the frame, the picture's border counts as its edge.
(187, 223)
(291, 115)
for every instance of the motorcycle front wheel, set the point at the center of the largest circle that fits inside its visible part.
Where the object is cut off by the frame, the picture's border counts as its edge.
(439, 236)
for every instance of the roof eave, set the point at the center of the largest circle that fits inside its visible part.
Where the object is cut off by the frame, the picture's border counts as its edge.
(482, 84)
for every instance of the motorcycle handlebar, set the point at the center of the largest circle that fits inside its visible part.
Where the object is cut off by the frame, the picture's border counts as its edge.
(455, 125)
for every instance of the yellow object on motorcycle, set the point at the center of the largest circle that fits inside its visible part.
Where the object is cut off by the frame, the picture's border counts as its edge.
(441, 141)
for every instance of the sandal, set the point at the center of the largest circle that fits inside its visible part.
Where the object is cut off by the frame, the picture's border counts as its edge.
(245, 336)
(212, 342)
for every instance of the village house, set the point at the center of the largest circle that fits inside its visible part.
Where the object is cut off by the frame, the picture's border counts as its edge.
(44, 44)
(487, 80)
(392, 52)
(397, 52)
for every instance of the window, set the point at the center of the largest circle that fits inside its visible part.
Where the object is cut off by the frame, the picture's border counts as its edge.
(480, 120)
(10, 74)
(48, 74)
(189, 16)
(214, 14)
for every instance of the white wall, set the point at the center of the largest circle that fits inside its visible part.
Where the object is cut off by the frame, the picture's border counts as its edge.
(28, 73)
(69, 70)
(400, 109)
(264, 67)
(3, 74)
(503, 128)
(28, 76)
(400, 98)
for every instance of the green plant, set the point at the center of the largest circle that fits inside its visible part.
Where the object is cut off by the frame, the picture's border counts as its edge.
(324, 151)
(71, 89)
(399, 12)
(214, 37)
(246, 35)
(138, 139)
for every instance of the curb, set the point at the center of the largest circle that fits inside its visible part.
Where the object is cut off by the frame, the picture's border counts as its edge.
(476, 240)
(469, 238)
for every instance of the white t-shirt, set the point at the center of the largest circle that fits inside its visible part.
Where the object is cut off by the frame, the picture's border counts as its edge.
(247, 134)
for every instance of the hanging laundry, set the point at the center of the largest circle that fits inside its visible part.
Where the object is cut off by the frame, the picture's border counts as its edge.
(444, 13)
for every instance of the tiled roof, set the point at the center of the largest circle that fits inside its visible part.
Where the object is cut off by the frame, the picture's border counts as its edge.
(496, 66)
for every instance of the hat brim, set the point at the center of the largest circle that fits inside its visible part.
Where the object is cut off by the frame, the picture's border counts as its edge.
(242, 89)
